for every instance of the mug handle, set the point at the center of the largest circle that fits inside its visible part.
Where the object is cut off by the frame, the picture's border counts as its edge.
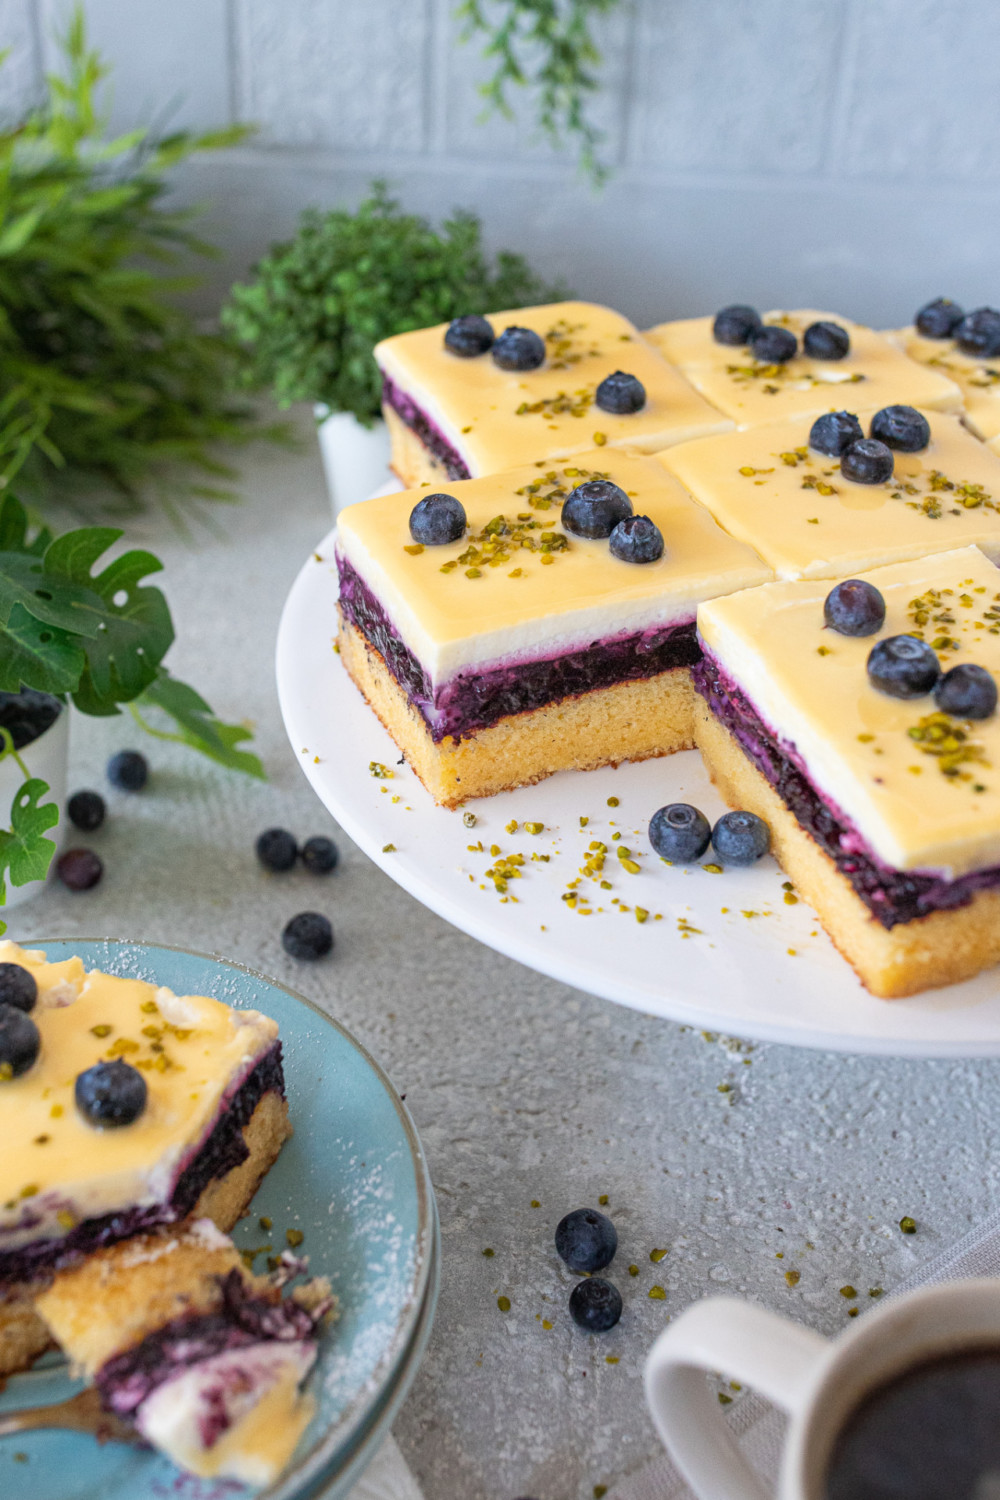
(777, 1357)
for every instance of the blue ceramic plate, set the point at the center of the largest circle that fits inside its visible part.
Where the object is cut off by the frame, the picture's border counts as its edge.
(353, 1180)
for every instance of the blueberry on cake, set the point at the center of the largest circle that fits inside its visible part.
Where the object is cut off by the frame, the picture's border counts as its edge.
(481, 395)
(204, 1359)
(847, 490)
(965, 347)
(122, 1107)
(859, 722)
(533, 621)
(763, 369)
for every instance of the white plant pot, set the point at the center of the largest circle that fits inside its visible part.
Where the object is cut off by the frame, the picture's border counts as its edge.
(355, 458)
(46, 757)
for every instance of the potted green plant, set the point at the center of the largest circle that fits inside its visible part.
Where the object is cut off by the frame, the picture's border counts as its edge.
(319, 303)
(76, 628)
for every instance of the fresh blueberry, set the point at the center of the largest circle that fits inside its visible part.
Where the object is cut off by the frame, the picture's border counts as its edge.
(901, 427)
(20, 1042)
(79, 869)
(519, 349)
(826, 341)
(834, 432)
(469, 336)
(967, 691)
(17, 987)
(736, 324)
(679, 832)
(773, 345)
(741, 838)
(128, 770)
(86, 810)
(276, 849)
(26, 715)
(586, 1240)
(867, 462)
(621, 394)
(979, 332)
(437, 519)
(595, 1305)
(903, 667)
(637, 539)
(854, 608)
(939, 319)
(319, 855)
(594, 508)
(308, 936)
(111, 1093)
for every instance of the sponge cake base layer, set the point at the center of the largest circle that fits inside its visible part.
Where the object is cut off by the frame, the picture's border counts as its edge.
(414, 463)
(628, 721)
(942, 948)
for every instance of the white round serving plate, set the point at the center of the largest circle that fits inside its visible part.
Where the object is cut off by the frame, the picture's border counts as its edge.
(735, 973)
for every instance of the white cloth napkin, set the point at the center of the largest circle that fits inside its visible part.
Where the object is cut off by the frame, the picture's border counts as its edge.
(387, 1477)
(759, 1428)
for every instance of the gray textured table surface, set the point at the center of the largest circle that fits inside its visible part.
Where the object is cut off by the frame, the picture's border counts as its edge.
(531, 1098)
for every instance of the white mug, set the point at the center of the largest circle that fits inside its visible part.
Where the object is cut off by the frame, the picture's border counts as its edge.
(818, 1382)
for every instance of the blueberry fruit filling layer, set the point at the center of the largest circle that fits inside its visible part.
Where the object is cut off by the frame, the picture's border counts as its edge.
(420, 423)
(474, 700)
(224, 1149)
(892, 896)
(243, 1319)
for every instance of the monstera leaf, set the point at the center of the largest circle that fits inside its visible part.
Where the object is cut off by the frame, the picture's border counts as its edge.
(25, 852)
(197, 726)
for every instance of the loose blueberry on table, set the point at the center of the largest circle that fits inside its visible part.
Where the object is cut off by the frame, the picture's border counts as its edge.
(276, 849)
(20, 1042)
(86, 810)
(867, 462)
(854, 607)
(586, 1240)
(901, 427)
(111, 1093)
(736, 324)
(826, 340)
(741, 838)
(469, 336)
(939, 319)
(903, 667)
(979, 332)
(834, 432)
(319, 855)
(18, 987)
(79, 869)
(437, 519)
(966, 691)
(519, 349)
(773, 345)
(620, 394)
(637, 539)
(128, 770)
(594, 509)
(308, 936)
(595, 1304)
(679, 832)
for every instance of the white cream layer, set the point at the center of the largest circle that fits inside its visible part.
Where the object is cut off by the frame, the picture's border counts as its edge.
(811, 687)
(57, 1169)
(453, 623)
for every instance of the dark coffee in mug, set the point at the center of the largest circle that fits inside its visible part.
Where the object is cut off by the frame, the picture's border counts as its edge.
(931, 1433)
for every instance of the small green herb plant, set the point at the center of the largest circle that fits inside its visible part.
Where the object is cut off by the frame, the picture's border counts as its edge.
(319, 303)
(107, 387)
(546, 46)
(92, 632)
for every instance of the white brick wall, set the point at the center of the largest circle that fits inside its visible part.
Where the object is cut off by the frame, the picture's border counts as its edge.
(836, 152)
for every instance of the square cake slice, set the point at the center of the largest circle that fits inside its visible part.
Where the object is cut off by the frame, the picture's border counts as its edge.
(873, 373)
(212, 1120)
(884, 811)
(202, 1358)
(451, 417)
(977, 377)
(768, 487)
(522, 649)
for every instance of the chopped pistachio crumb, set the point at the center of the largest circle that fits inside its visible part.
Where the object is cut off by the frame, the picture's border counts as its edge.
(546, 1325)
(908, 1225)
(612, 801)
(600, 438)
(603, 1198)
(504, 1304)
(534, 827)
(713, 869)
(875, 1291)
(724, 1400)
(489, 1253)
(657, 1294)
(611, 1359)
(388, 848)
(535, 1203)
(584, 822)
(294, 1237)
(848, 1292)
(65, 1219)
(793, 1277)
(600, 1490)
(56, 1111)
(469, 819)
(379, 771)
(414, 549)
(852, 1312)
(656, 1256)
(633, 1270)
